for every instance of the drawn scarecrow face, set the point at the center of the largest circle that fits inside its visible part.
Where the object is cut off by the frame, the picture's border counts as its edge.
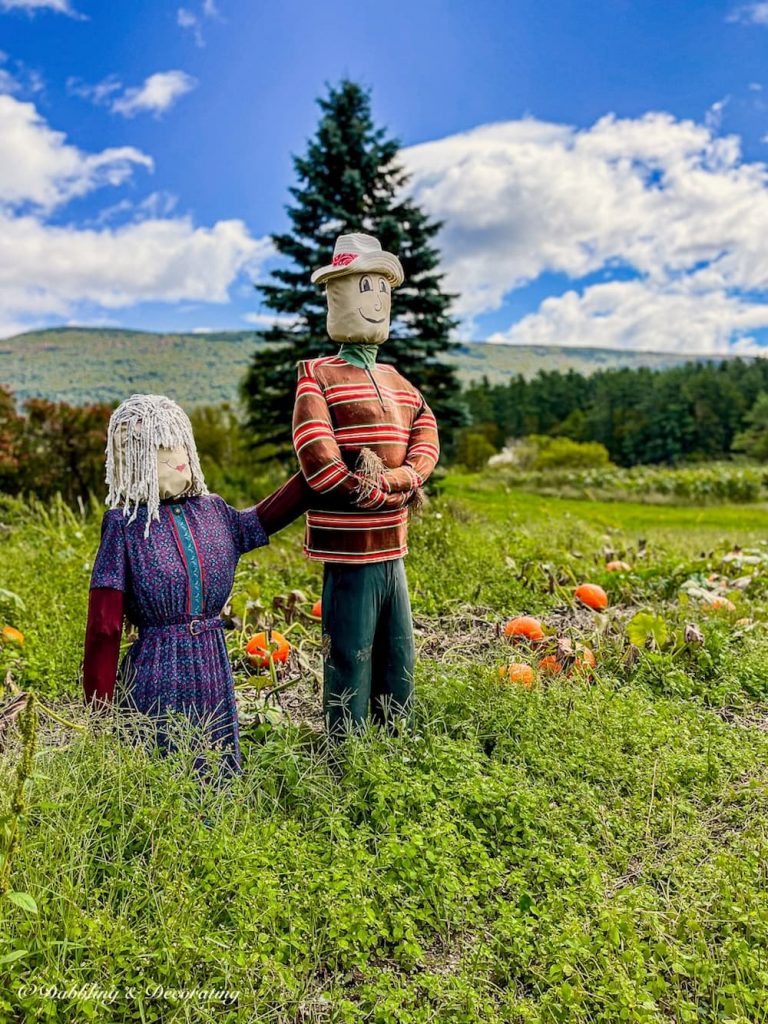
(174, 475)
(359, 307)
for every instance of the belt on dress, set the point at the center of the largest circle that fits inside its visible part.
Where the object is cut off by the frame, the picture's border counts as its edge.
(193, 627)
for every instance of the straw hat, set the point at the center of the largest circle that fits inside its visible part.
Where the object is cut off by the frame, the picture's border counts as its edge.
(360, 254)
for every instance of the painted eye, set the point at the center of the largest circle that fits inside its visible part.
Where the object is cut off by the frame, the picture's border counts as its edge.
(383, 285)
(365, 284)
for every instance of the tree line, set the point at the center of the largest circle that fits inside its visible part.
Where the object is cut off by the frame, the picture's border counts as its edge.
(690, 412)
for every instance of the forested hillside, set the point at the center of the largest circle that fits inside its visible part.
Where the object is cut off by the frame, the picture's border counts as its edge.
(85, 365)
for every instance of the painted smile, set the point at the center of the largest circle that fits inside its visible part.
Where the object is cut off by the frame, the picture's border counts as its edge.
(179, 469)
(369, 318)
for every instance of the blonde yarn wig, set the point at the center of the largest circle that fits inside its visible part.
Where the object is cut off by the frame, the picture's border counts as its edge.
(137, 428)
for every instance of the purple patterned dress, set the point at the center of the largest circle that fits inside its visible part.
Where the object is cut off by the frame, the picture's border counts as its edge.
(176, 583)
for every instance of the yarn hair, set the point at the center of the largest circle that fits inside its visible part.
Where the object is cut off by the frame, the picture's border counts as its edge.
(137, 428)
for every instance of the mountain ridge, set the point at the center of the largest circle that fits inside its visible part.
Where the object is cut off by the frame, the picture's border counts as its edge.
(80, 365)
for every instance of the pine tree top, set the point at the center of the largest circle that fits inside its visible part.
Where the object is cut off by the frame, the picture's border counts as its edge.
(349, 180)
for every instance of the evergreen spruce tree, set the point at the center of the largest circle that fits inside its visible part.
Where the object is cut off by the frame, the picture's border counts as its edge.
(350, 180)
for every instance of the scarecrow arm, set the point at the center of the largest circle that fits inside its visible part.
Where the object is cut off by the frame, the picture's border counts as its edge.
(281, 507)
(102, 643)
(421, 456)
(319, 454)
(296, 497)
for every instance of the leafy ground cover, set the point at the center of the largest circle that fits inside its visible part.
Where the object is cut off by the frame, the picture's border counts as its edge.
(697, 485)
(590, 848)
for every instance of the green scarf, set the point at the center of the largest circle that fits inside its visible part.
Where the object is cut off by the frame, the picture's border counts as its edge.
(363, 356)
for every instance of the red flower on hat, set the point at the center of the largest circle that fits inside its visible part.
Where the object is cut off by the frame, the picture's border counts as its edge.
(343, 259)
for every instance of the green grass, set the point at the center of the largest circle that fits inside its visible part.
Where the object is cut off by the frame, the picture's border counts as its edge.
(680, 527)
(577, 852)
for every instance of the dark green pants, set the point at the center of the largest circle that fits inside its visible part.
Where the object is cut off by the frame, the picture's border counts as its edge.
(368, 647)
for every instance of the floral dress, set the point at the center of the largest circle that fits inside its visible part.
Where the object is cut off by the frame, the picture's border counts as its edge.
(175, 583)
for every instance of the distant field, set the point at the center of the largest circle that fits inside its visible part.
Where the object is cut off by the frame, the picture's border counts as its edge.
(80, 365)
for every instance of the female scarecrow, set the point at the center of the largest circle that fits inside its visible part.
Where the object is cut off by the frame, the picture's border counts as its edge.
(366, 441)
(167, 561)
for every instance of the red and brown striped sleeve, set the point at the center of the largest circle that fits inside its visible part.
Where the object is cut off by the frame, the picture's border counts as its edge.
(421, 456)
(316, 447)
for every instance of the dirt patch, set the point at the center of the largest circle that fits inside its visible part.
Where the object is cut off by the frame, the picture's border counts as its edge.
(303, 704)
(469, 634)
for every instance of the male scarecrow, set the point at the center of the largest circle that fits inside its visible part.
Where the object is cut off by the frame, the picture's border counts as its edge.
(366, 441)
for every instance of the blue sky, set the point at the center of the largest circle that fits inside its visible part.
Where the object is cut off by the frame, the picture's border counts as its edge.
(599, 167)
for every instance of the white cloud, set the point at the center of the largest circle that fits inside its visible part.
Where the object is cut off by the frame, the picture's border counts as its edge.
(22, 79)
(193, 22)
(32, 6)
(641, 315)
(156, 95)
(667, 200)
(56, 270)
(713, 119)
(270, 319)
(47, 270)
(189, 20)
(7, 82)
(101, 93)
(750, 14)
(39, 167)
(155, 205)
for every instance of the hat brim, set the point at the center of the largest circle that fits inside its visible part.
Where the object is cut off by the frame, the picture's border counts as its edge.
(385, 263)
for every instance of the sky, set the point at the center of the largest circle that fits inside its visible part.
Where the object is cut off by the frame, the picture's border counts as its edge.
(600, 169)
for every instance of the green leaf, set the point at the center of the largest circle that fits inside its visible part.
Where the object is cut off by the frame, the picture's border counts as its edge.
(15, 954)
(8, 595)
(525, 902)
(645, 627)
(23, 900)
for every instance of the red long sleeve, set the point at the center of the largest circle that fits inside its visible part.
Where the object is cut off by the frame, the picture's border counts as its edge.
(102, 643)
(287, 503)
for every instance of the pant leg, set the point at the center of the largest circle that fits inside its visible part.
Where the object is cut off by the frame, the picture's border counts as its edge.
(352, 599)
(394, 651)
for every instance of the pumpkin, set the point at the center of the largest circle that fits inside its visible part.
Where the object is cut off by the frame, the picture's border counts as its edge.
(12, 634)
(259, 652)
(317, 610)
(550, 665)
(722, 604)
(525, 627)
(585, 660)
(618, 567)
(592, 596)
(518, 673)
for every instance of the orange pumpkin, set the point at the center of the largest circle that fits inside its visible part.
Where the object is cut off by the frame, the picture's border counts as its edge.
(592, 596)
(618, 567)
(12, 634)
(722, 604)
(550, 665)
(317, 610)
(525, 627)
(585, 660)
(518, 673)
(259, 651)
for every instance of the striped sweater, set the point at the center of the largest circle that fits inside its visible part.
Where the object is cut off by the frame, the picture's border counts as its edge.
(341, 409)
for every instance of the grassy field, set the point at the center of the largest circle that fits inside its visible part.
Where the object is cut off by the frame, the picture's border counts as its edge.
(81, 365)
(591, 848)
